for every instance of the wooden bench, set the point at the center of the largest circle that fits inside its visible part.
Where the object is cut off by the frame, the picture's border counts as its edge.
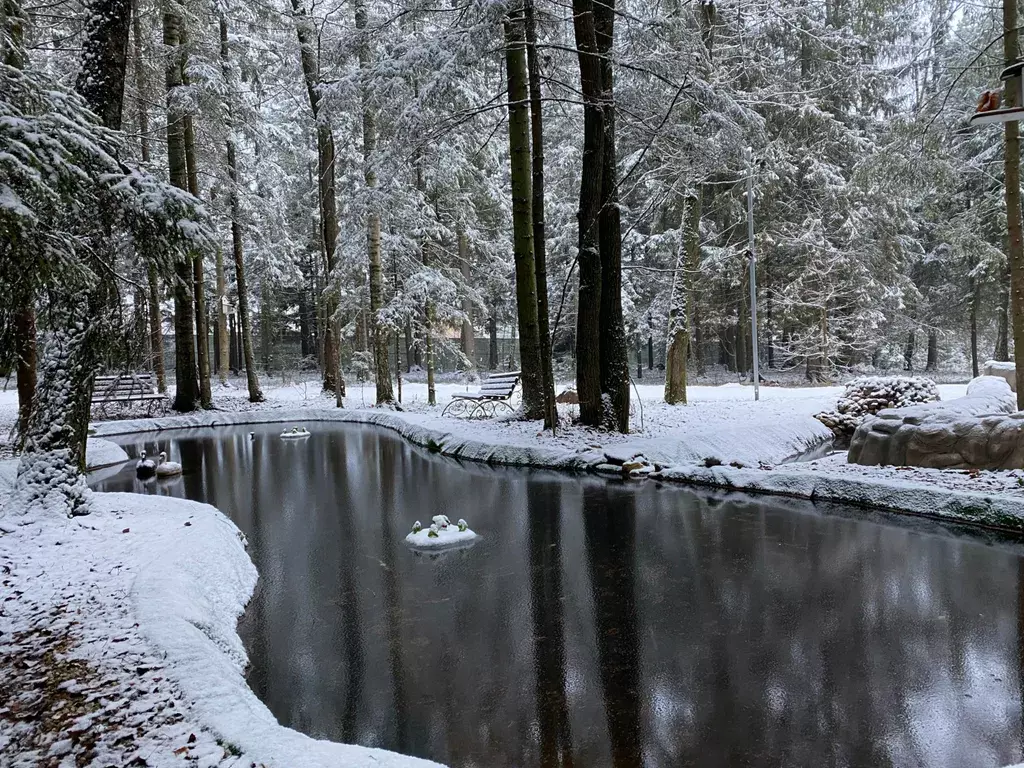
(495, 393)
(124, 389)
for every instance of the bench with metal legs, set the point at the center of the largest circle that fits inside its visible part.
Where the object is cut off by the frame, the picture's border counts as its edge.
(493, 397)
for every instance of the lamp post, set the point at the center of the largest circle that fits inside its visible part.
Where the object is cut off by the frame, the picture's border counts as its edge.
(752, 256)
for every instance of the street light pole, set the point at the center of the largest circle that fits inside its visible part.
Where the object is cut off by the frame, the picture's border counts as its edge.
(753, 272)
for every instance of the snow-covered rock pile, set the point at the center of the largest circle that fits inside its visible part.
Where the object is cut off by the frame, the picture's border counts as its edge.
(441, 533)
(627, 464)
(978, 431)
(867, 395)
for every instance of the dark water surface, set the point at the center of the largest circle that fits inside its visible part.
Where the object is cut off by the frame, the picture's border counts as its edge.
(596, 624)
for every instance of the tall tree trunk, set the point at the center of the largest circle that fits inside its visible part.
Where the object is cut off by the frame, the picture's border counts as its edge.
(265, 326)
(468, 338)
(25, 351)
(105, 58)
(222, 320)
(492, 347)
(59, 419)
(588, 312)
(308, 47)
(140, 82)
(932, 362)
(975, 300)
(25, 316)
(522, 213)
(681, 299)
(769, 331)
(252, 380)
(198, 287)
(614, 356)
(186, 380)
(909, 350)
(540, 258)
(381, 343)
(1011, 168)
(1002, 350)
(156, 331)
(742, 324)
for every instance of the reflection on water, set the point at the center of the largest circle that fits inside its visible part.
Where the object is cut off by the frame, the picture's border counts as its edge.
(596, 624)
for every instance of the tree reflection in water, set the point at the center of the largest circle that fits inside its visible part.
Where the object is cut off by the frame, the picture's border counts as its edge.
(596, 624)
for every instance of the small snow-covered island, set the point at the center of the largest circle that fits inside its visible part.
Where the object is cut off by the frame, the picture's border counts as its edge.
(440, 534)
(706, 314)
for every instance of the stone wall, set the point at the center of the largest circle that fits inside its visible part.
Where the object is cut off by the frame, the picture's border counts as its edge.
(978, 431)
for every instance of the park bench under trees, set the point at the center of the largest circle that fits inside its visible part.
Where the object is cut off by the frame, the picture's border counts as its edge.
(494, 394)
(125, 389)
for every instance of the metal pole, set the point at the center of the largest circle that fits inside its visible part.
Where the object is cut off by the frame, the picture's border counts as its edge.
(753, 275)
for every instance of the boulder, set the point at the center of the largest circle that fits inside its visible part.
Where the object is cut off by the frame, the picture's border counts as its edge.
(977, 431)
(1005, 370)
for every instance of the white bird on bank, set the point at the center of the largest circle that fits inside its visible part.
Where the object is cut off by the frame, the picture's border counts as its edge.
(165, 468)
(144, 467)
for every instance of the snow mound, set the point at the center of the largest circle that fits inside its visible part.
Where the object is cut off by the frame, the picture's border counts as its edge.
(295, 432)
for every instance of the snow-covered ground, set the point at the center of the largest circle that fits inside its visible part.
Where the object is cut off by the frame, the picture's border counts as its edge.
(118, 644)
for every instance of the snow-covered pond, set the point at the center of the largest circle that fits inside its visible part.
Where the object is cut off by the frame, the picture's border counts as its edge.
(621, 625)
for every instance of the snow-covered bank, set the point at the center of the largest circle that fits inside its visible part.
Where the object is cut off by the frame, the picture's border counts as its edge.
(130, 615)
(515, 443)
(998, 503)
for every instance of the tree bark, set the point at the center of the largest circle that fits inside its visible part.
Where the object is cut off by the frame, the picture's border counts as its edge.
(613, 353)
(198, 286)
(25, 351)
(468, 338)
(908, 351)
(381, 343)
(588, 312)
(522, 214)
(185, 375)
(222, 320)
(679, 310)
(975, 300)
(326, 186)
(932, 362)
(105, 58)
(537, 205)
(492, 348)
(252, 380)
(1002, 350)
(1011, 168)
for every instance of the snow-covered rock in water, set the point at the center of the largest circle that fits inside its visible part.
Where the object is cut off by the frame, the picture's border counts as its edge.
(1004, 369)
(103, 453)
(977, 431)
(295, 432)
(867, 395)
(441, 534)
